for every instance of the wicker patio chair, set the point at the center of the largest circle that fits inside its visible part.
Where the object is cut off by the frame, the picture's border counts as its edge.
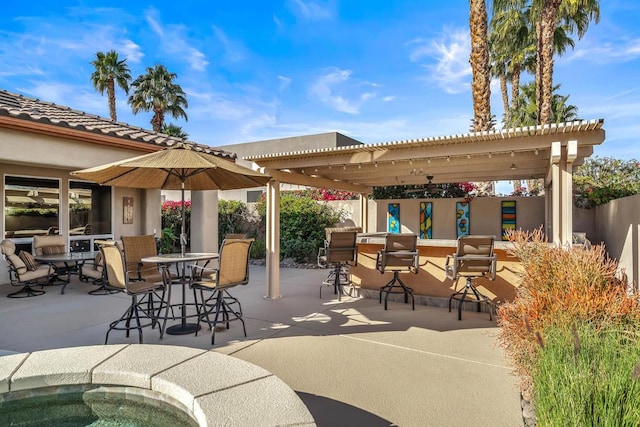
(142, 293)
(232, 270)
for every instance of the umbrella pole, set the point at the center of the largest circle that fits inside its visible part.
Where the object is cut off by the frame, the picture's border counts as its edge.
(183, 235)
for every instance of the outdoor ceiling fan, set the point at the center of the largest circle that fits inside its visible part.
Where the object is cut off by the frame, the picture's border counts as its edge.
(429, 189)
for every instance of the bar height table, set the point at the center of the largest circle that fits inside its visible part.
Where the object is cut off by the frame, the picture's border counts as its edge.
(180, 261)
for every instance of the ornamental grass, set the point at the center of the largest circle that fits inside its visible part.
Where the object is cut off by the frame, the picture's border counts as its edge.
(562, 288)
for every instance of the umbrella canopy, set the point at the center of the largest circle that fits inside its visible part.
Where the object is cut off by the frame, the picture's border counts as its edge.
(172, 167)
(181, 167)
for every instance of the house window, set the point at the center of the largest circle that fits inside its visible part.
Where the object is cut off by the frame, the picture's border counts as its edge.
(89, 209)
(254, 196)
(32, 206)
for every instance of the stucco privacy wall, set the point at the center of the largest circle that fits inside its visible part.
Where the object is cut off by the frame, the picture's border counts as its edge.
(618, 226)
(485, 214)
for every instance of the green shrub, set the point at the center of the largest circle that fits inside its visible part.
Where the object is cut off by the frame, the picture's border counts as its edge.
(302, 224)
(561, 287)
(588, 376)
(258, 249)
(235, 217)
(171, 220)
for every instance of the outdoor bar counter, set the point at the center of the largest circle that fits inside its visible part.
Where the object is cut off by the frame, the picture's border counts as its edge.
(431, 280)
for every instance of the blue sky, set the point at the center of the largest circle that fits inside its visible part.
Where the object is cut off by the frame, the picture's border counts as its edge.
(374, 70)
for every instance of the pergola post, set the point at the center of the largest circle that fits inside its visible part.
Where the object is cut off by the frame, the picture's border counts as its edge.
(556, 155)
(567, 192)
(273, 240)
(364, 212)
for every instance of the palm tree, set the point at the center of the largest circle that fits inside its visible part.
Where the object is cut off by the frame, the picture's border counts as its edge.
(156, 91)
(109, 71)
(512, 41)
(174, 130)
(526, 111)
(549, 24)
(481, 77)
(479, 59)
(575, 15)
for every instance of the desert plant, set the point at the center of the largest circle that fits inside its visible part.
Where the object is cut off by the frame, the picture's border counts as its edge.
(588, 376)
(559, 286)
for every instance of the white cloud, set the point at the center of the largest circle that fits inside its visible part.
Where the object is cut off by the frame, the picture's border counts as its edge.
(608, 52)
(174, 41)
(131, 51)
(278, 22)
(310, 10)
(446, 59)
(233, 50)
(152, 18)
(284, 83)
(329, 89)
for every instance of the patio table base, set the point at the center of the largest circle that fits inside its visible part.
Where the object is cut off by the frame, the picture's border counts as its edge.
(183, 329)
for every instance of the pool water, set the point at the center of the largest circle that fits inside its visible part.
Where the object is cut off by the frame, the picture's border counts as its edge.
(91, 409)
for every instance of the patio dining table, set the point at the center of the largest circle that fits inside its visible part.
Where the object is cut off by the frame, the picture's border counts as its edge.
(180, 261)
(69, 258)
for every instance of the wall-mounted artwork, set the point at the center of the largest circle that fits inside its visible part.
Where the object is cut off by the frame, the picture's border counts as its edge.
(127, 210)
(508, 217)
(463, 226)
(426, 220)
(393, 218)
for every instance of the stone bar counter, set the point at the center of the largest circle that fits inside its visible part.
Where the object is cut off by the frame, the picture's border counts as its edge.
(430, 285)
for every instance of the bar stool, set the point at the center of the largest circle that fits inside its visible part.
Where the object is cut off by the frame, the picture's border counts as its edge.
(400, 254)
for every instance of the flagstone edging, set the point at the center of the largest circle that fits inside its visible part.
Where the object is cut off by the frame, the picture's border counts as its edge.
(212, 387)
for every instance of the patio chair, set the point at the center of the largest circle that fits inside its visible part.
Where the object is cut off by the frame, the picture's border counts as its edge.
(400, 254)
(93, 271)
(142, 293)
(233, 270)
(22, 275)
(340, 253)
(579, 240)
(50, 245)
(474, 258)
(235, 236)
(136, 248)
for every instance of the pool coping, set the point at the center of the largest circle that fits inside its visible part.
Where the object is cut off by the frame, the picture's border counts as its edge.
(215, 388)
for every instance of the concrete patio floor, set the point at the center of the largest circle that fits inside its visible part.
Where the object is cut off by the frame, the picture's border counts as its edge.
(351, 362)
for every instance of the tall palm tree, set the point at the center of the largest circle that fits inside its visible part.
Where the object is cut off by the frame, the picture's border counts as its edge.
(109, 71)
(174, 130)
(481, 77)
(576, 15)
(156, 91)
(479, 59)
(512, 41)
(550, 24)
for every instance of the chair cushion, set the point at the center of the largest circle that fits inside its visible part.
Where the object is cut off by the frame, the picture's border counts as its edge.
(52, 250)
(29, 260)
(17, 263)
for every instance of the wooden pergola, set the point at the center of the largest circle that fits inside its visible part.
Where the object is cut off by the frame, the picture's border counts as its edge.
(550, 152)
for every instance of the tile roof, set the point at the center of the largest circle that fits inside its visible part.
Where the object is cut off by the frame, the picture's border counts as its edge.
(35, 110)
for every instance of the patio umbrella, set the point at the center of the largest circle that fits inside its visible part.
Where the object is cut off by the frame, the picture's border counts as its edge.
(183, 167)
